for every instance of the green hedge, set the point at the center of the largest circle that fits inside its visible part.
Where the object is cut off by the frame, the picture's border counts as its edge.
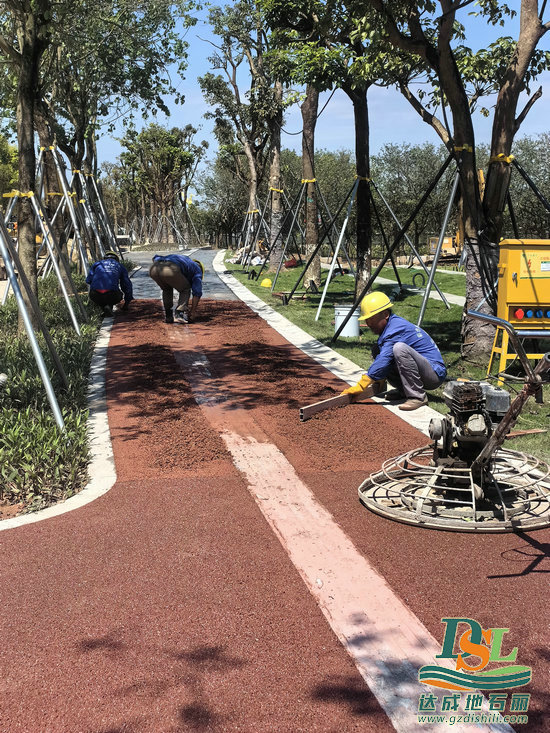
(39, 464)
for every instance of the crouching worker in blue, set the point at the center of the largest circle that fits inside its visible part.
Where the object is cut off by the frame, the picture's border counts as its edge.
(404, 355)
(109, 283)
(183, 274)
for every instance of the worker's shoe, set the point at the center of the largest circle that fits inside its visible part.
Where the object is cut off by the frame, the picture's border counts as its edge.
(413, 404)
(107, 310)
(169, 317)
(182, 316)
(393, 395)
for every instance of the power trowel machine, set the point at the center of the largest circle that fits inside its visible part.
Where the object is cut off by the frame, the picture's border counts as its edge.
(465, 480)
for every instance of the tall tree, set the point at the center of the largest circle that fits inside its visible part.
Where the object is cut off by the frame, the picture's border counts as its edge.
(109, 58)
(25, 29)
(197, 151)
(309, 119)
(316, 45)
(224, 199)
(245, 120)
(160, 162)
(429, 34)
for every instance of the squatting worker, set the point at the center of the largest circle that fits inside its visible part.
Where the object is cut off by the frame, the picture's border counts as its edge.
(183, 274)
(109, 283)
(405, 355)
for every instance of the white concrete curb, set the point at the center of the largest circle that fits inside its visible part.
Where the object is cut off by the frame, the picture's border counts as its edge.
(339, 365)
(102, 465)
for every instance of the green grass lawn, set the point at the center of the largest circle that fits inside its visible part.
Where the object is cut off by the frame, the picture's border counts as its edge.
(448, 282)
(441, 323)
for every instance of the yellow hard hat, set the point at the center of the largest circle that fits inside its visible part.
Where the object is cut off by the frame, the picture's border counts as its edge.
(266, 283)
(374, 303)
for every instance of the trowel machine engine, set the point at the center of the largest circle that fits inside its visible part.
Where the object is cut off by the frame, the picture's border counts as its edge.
(475, 410)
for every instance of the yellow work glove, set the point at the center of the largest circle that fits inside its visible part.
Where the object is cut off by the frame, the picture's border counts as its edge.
(361, 385)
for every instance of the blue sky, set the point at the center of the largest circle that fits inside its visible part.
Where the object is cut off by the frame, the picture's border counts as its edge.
(392, 119)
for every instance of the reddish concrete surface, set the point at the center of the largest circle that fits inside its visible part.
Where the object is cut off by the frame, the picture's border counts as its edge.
(168, 604)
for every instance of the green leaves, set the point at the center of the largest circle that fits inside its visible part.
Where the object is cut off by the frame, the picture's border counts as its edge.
(38, 463)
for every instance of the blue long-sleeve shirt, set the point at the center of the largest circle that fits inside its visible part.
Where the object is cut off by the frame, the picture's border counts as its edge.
(189, 268)
(399, 329)
(108, 274)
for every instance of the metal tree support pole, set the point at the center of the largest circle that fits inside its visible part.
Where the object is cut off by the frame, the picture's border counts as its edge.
(512, 214)
(386, 244)
(248, 236)
(256, 230)
(263, 220)
(319, 245)
(89, 213)
(35, 306)
(293, 222)
(438, 248)
(60, 208)
(290, 209)
(13, 196)
(254, 236)
(240, 239)
(55, 264)
(411, 245)
(340, 238)
(83, 219)
(396, 241)
(104, 216)
(6, 255)
(329, 227)
(194, 228)
(10, 208)
(333, 226)
(48, 225)
(287, 203)
(70, 207)
(531, 184)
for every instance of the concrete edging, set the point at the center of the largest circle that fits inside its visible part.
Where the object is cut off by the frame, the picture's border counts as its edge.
(102, 465)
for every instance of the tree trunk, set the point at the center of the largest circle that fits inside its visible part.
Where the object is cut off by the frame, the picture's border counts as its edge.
(358, 96)
(51, 189)
(187, 237)
(252, 196)
(505, 124)
(26, 85)
(276, 242)
(309, 120)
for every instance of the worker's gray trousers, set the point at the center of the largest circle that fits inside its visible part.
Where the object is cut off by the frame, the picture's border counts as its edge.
(168, 276)
(410, 372)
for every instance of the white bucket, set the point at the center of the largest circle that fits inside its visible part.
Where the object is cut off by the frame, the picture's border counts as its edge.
(351, 329)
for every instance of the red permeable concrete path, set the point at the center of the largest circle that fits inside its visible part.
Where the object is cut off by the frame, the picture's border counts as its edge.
(176, 602)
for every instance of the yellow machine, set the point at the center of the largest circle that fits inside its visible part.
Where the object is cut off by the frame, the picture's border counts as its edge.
(523, 295)
(449, 246)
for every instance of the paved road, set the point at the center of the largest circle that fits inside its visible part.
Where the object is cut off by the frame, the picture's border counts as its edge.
(144, 287)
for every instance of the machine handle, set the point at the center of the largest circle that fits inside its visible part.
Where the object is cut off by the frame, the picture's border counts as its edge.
(514, 338)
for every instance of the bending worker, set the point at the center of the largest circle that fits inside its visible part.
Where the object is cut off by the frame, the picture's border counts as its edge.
(183, 274)
(109, 283)
(405, 355)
